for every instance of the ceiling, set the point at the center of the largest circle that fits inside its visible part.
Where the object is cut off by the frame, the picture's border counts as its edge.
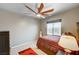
(21, 9)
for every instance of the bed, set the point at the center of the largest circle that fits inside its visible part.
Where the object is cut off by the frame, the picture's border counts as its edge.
(56, 45)
(47, 45)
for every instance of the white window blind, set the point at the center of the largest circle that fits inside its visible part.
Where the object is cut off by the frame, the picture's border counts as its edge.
(54, 28)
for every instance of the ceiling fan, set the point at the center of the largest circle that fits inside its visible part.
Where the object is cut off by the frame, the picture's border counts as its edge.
(39, 12)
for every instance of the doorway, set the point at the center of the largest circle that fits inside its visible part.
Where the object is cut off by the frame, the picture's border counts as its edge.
(4, 43)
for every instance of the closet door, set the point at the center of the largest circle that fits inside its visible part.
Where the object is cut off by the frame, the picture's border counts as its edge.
(78, 29)
(4, 43)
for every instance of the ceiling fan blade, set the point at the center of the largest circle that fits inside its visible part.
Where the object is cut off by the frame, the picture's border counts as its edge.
(41, 7)
(43, 14)
(30, 9)
(50, 10)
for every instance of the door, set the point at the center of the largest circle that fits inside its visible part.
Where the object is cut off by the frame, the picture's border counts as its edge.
(78, 28)
(4, 43)
(78, 31)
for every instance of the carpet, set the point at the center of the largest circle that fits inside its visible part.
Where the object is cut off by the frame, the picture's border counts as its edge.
(28, 51)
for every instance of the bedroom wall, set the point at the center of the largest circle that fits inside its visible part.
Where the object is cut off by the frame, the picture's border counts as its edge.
(69, 19)
(23, 29)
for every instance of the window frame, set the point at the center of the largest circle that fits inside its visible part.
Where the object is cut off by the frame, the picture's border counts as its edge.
(54, 21)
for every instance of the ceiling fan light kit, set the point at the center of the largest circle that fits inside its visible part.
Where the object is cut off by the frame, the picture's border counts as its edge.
(40, 16)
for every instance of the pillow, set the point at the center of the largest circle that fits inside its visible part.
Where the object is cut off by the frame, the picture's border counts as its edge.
(69, 34)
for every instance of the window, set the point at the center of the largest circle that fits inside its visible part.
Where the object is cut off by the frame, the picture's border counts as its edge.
(54, 27)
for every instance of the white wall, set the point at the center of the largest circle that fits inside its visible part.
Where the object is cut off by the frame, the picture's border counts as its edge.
(69, 19)
(23, 29)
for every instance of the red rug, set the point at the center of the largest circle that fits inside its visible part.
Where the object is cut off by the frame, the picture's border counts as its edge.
(28, 51)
